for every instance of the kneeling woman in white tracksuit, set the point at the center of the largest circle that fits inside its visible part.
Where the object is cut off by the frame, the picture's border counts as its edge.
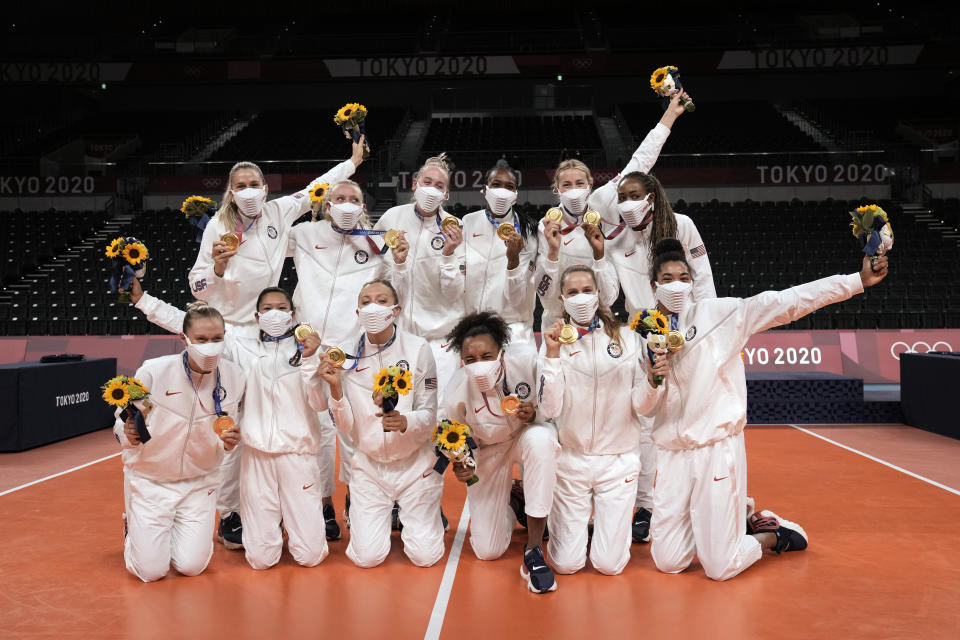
(170, 481)
(594, 390)
(494, 370)
(394, 452)
(279, 478)
(700, 498)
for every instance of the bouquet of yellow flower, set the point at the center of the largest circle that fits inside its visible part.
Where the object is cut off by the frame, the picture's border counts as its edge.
(132, 396)
(391, 383)
(128, 258)
(196, 206)
(871, 226)
(653, 325)
(351, 118)
(665, 82)
(454, 442)
(317, 193)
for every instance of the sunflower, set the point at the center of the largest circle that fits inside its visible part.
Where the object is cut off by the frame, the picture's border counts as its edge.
(135, 253)
(317, 191)
(381, 380)
(343, 115)
(113, 250)
(402, 383)
(658, 77)
(662, 325)
(635, 323)
(452, 435)
(115, 393)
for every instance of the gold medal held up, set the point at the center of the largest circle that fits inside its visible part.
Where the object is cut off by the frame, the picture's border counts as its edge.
(591, 217)
(568, 335)
(553, 213)
(448, 222)
(222, 423)
(504, 231)
(302, 331)
(510, 405)
(337, 356)
(675, 340)
(232, 240)
(391, 238)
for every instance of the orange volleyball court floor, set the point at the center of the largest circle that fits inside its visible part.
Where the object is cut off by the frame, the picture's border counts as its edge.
(880, 504)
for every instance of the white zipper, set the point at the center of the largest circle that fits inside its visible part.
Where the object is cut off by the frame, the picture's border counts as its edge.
(333, 284)
(593, 431)
(193, 408)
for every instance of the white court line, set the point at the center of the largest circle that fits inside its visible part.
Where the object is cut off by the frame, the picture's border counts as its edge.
(449, 573)
(875, 459)
(62, 473)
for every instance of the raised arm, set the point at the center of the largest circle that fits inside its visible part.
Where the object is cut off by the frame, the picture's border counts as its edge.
(700, 269)
(551, 382)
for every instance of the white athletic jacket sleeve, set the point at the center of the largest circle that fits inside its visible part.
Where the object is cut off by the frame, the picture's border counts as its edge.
(548, 284)
(645, 396)
(400, 276)
(202, 278)
(608, 284)
(700, 269)
(423, 418)
(551, 385)
(317, 388)
(161, 313)
(342, 414)
(604, 199)
(773, 308)
(451, 275)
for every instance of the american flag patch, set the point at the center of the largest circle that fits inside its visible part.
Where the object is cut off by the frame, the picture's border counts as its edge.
(298, 195)
(698, 252)
(430, 383)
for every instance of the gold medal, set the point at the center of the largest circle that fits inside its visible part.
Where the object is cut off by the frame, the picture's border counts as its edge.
(337, 356)
(657, 341)
(675, 340)
(553, 213)
(391, 238)
(222, 423)
(302, 331)
(510, 405)
(591, 217)
(232, 240)
(504, 231)
(568, 335)
(449, 221)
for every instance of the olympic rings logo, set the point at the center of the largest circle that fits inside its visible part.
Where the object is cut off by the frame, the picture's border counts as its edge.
(210, 183)
(916, 345)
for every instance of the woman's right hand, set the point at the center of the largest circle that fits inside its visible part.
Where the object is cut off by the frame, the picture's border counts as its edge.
(330, 373)
(130, 430)
(660, 365)
(551, 338)
(400, 251)
(551, 231)
(462, 471)
(221, 256)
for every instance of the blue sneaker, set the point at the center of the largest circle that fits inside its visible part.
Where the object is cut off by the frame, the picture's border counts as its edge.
(535, 571)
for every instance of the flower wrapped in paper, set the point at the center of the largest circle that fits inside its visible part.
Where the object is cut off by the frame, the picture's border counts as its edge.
(128, 259)
(133, 398)
(665, 82)
(454, 444)
(198, 211)
(391, 383)
(653, 327)
(871, 226)
(351, 118)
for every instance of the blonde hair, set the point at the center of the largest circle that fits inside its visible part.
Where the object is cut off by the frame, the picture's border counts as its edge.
(440, 162)
(364, 221)
(571, 164)
(611, 326)
(228, 213)
(199, 309)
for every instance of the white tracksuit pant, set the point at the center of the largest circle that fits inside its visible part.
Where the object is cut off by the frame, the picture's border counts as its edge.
(374, 487)
(287, 487)
(228, 497)
(168, 524)
(327, 455)
(648, 464)
(605, 485)
(491, 519)
(699, 510)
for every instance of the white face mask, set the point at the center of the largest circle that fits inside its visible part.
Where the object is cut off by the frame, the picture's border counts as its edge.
(275, 322)
(484, 373)
(634, 211)
(205, 355)
(499, 201)
(674, 295)
(428, 198)
(374, 318)
(250, 201)
(345, 214)
(582, 307)
(575, 200)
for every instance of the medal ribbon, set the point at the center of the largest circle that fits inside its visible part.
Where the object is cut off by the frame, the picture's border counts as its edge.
(364, 232)
(217, 389)
(363, 339)
(493, 221)
(504, 386)
(593, 325)
(416, 210)
(289, 334)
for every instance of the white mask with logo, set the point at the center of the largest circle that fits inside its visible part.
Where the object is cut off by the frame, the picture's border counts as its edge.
(205, 355)
(582, 307)
(484, 373)
(674, 295)
(250, 201)
(275, 322)
(634, 211)
(428, 198)
(575, 200)
(374, 317)
(345, 214)
(499, 201)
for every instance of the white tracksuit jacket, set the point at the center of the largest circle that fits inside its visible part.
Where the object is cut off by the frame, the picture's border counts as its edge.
(704, 397)
(489, 285)
(430, 283)
(595, 390)
(260, 257)
(574, 247)
(183, 444)
(331, 269)
(630, 253)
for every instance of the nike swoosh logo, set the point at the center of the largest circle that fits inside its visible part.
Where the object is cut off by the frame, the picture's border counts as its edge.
(478, 410)
(426, 474)
(537, 568)
(574, 353)
(364, 369)
(173, 393)
(716, 479)
(566, 242)
(316, 246)
(235, 529)
(477, 235)
(307, 486)
(627, 255)
(629, 480)
(443, 346)
(211, 491)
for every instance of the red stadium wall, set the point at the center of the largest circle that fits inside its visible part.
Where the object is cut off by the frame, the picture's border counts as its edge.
(871, 355)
